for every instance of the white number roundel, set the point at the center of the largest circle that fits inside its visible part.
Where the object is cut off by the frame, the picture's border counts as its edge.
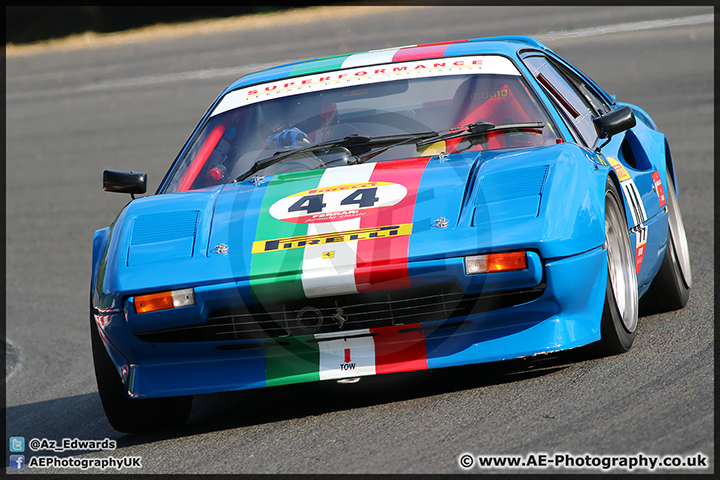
(337, 202)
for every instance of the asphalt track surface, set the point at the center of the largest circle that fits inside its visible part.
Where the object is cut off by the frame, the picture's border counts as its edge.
(73, 113)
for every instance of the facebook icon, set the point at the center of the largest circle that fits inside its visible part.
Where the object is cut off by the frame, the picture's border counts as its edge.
(17, 462)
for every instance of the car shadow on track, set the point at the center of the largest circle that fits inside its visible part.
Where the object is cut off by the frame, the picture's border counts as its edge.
(224, 411)
(81, 416)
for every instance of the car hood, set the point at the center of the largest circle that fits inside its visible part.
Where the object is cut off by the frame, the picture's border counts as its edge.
(332, 231)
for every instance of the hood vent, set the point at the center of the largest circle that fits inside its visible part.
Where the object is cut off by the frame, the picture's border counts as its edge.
(524, 182)
(510, 195)
(163, 227)
(162, 236)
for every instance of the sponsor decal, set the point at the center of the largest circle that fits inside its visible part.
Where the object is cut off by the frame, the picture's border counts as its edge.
(641, 243)
(659, 188)
(502, 93)
(637, 210)
(342, 76)
(337, 202)
(622, 173)
(359, 76)
(303, 241)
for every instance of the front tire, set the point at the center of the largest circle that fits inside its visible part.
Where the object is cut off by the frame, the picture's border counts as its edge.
(131, 415)
(670, 289)
(620, 312)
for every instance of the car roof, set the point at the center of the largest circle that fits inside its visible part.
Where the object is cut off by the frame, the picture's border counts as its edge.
(506, 45)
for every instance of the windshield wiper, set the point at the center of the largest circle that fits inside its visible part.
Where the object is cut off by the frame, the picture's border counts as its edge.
(390, 141)
(346, 141)
(478, 128)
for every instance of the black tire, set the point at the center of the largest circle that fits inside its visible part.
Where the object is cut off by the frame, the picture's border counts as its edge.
(670, 289)
(620, 312)
(130, 415)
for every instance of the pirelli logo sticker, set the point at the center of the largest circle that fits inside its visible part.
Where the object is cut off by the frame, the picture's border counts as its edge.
(370, 233)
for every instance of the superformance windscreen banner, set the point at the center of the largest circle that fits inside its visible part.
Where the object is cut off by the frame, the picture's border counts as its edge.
(491, 64)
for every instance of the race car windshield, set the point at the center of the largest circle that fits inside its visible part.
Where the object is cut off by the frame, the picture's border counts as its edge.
(351, 120)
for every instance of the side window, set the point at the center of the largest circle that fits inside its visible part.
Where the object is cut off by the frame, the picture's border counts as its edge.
(598, 102)
(570, 101)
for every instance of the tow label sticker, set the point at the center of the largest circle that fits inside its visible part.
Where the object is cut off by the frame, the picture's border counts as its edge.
(346, 357)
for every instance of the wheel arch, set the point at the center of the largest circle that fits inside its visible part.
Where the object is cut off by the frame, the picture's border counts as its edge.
(99, 249)
(670, 166)
(612, 175)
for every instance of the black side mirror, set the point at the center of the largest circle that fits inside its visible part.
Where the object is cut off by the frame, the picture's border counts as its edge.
(124, 182)
(613, 123)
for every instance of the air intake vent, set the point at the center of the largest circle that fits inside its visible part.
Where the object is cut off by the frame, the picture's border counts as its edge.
(510, 196)
(523, 182)
(164, 227)
(160, 237)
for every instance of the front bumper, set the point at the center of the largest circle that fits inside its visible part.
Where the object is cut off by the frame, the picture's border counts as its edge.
(566, 314)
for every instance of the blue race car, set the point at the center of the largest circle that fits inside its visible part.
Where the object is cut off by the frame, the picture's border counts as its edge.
(388, 211)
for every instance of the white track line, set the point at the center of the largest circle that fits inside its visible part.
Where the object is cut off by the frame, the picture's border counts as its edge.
(236, 72)
(559, 35)
(627, 27)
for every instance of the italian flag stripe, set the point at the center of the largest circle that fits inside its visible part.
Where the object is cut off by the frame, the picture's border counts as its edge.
(383, 263)
(370, 58)
(295, 361)
(342, 267)
(334, 276)
(400, 351)
(322, 64)
(419, 52)
(328, 356)
(276, 275)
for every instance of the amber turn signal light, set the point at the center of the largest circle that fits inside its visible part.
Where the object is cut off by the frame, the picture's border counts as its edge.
(164, 300)
(495, 262)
